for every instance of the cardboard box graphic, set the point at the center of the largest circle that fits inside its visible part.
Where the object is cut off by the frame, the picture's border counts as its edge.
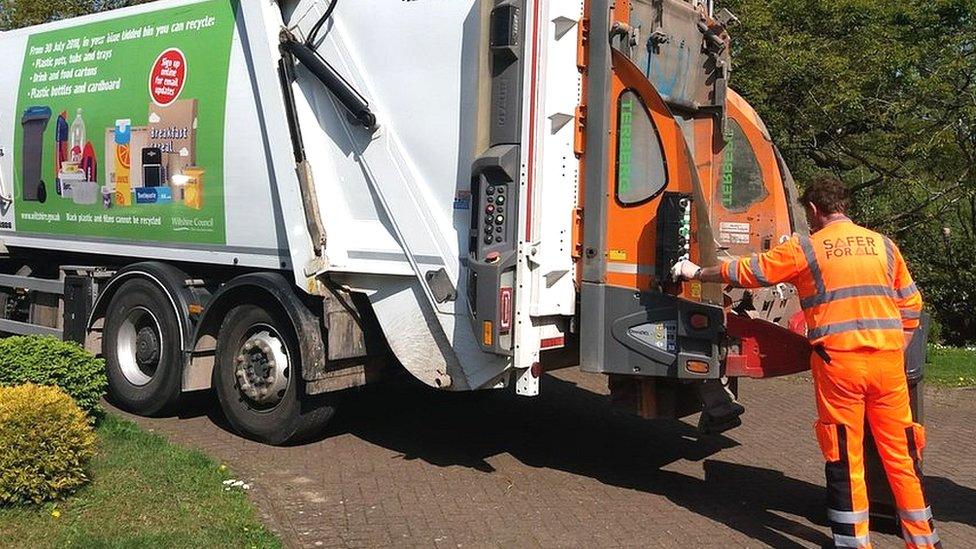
(138, 140)
(173, 130)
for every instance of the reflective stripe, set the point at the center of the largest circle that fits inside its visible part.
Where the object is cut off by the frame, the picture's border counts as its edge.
(811, 257)
(854, 325)
(843, 293)
(629, 268)
(922, 540)
(851, 541)
(915, 514)
(734, 272)
(911, 314)
(847, 517)
(907, 291)
(758, 272)
(890, 252)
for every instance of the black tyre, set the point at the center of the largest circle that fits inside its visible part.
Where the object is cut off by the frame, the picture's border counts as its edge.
(141, 346)
(258, 379)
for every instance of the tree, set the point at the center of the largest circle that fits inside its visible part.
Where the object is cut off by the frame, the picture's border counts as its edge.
(22, 13)
(882, 94)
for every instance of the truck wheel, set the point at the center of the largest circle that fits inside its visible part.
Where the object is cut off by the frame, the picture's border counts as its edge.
(258, 378)
(142, 349)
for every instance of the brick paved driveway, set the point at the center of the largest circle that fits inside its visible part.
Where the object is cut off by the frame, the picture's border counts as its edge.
(406, 466)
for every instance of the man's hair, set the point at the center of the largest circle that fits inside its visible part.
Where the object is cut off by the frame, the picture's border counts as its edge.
(827, 193)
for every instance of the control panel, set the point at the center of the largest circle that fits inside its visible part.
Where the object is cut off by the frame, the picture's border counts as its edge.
(495, 207)
(673, 234)
(493, 241)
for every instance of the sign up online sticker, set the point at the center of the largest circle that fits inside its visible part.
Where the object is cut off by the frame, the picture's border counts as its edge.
(167, 77)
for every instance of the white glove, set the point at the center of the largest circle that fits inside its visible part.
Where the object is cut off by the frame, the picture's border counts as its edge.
(684, 270)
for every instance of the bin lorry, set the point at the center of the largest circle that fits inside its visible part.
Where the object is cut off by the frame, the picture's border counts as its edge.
(281, 200)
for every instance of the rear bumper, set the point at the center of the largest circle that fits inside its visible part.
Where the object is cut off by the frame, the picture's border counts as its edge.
(649, 334)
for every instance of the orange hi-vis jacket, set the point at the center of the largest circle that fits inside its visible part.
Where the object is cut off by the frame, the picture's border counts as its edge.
(854, 287)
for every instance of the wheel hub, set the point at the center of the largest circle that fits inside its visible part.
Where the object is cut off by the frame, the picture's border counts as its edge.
(139, 346)
(147, 347)
(262, 368)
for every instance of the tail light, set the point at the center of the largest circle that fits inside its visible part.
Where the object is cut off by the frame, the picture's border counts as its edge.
(698, 321)
(505, 310)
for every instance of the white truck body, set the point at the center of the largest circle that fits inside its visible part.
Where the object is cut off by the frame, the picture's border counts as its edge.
(394, 202)
(284, 199)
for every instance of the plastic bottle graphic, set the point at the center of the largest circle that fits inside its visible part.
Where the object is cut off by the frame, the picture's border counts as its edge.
(77, 138)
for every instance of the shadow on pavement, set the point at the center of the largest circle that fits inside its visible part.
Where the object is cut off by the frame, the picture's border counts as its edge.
(193, 405)
(753, 500)
(950, 501)
(576, 431)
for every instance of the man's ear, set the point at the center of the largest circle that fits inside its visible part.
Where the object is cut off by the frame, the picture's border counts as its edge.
(812, 208)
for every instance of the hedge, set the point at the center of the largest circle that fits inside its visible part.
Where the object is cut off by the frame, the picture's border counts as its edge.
(49, 361)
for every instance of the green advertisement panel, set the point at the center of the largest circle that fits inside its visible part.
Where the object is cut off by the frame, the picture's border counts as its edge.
(122, 127)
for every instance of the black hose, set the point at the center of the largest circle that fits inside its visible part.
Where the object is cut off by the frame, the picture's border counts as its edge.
(310, 41)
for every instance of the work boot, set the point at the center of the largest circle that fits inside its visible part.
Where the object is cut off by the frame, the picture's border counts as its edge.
(720, 411)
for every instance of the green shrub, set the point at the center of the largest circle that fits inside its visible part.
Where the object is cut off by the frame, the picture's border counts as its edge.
(49, 361)
(45, 444)
(935, 330)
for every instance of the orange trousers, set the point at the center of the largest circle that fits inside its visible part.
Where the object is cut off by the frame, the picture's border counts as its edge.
(849, 387)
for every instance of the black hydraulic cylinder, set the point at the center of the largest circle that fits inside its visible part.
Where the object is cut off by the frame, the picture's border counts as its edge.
(347, 96)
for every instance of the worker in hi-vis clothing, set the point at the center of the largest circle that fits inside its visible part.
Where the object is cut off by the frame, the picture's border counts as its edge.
(861, 308)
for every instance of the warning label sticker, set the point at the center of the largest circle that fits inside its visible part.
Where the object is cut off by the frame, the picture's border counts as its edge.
(732, 227)
(733, 233)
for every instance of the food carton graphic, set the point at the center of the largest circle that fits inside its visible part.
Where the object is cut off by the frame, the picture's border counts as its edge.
(138, 140)
(123, 162)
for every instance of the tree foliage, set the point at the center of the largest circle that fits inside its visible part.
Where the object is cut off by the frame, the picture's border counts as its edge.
(882, 94)
(22, 13)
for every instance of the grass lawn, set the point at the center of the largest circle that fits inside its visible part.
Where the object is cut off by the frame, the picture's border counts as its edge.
(145, 492)
(951, 367)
